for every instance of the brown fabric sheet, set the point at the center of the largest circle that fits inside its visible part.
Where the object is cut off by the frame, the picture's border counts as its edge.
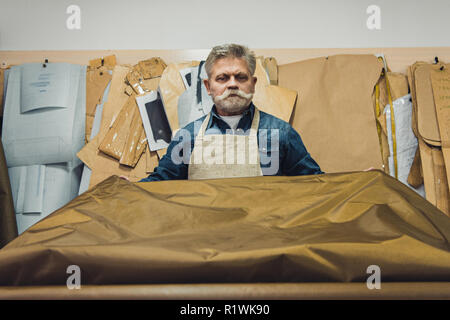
(322, 228)
(334, 110)
(8, 224)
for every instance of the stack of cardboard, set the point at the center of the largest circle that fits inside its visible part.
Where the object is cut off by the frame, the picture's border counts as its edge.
(430, 91)
(119, 145)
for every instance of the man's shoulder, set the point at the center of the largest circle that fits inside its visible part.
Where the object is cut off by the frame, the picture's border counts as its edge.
(269, 121)
(194, 125)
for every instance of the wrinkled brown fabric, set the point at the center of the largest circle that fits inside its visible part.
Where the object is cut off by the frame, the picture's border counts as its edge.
(322, 228)
(8, 224)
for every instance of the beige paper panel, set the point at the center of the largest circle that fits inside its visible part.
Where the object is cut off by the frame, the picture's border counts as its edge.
(114, 142)
(334, 110)
(398, 84)
(151, 68)
(271, 66)
(426, 113)
(428, 171)
(136, 142)
(108, 62)
(412, 85)
(105, 167)
(274, 100)
(440, 80)
(94, 94)
(415, 177)
(440, 182)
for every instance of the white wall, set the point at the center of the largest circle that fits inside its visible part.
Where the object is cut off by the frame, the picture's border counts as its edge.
(200, 24)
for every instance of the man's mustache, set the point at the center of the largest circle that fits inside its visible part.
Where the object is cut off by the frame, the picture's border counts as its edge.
(237, 92)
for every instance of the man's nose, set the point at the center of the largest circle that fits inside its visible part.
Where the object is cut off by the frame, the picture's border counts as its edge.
(232, 83)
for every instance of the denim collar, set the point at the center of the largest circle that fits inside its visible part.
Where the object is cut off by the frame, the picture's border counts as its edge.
(245, 123)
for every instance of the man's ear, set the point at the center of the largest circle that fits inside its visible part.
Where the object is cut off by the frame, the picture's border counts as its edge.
(206, 83)
(254, 79)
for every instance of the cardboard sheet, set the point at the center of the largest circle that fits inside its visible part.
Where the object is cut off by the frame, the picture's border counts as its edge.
(412, 85)
(426, 127)
(271, 67)
(114, 142)
(87, 172)
(428, 170)
(96, 82)
(398, 84)
(415, 177)
(334, 110)
(274, 100)
(151, 68)
(108, 62)
(326, 228)
(136, 142)
(440, 182)
(440, 80)
(380, 96)
(426, 112)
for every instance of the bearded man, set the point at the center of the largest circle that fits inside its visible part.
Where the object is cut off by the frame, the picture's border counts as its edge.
(235, 139)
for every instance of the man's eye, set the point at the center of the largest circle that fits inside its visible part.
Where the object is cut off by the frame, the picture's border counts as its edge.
(242, 78)
(221, 79)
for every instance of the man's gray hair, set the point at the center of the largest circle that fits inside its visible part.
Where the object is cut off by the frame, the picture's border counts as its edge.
(231, 50)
